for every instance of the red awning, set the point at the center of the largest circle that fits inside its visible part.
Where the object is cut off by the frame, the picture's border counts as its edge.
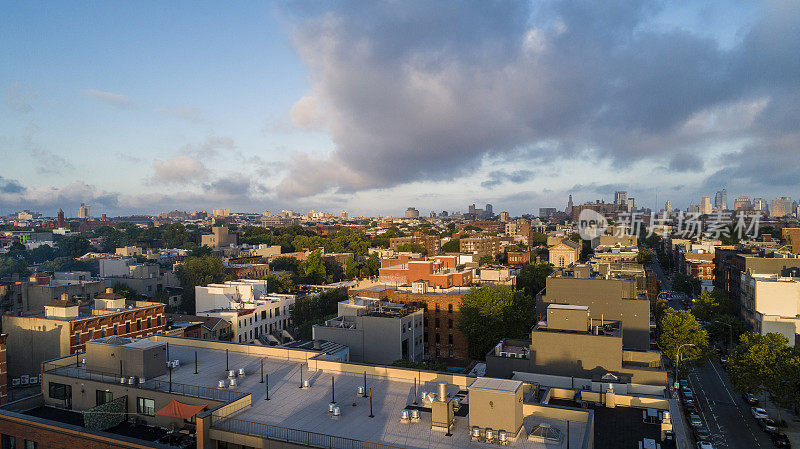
(177, 409)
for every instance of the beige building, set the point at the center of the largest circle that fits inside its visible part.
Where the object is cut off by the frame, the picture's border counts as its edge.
(431, 243)
(129, 251)
(565, 253)
(219, 238)
(771, 303)
(481, 245)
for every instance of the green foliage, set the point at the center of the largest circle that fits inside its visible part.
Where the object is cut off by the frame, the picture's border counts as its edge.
(679, 328)
(314, 309)
(532, 278)
(129, 293)
(176, 236)
(653, 241)
(10, 265)
(538, 238)
(710, 304)
(313, 269)
(575, 237)
(411, 248)
(766, 363)
(281, 283)
(686, 284)
(196, 271)
(425, 366)
(486, 260)
(724, 328)
(73, 245)
(69, 264)
(105, 416)
(284, 263)
(371, 266)
(351, 268)
(491, 313)
(451, 246)
(645, 255)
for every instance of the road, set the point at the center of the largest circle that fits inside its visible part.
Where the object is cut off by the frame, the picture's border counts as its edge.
(723, 411)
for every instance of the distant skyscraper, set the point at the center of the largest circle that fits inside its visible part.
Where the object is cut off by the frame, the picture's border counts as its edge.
(504, 216)
(84, 211)
(742, 203)
(569, 205)
(621, 197)
(705, 206)
(780, 207)
(668, 206)
(721, 200)
(488, 211)
(631, 203)
(412, 213)
(760, 204)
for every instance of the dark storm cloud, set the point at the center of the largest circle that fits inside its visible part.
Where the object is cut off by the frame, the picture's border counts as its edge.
(498, 177)
(10, 186)
(424, 90)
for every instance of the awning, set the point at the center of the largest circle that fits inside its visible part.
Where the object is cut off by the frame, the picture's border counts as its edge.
(177, 409)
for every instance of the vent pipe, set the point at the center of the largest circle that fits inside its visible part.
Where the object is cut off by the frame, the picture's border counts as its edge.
(442, 390)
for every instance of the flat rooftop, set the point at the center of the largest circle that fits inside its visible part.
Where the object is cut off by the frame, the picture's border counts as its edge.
(307, 409)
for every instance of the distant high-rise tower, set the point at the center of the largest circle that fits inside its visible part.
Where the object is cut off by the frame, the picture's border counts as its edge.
(84, 211)
(721, 200)
(631, 203)
(705, 206)
(569, 205)
(621, 197)
(760, 204)
(488, 211)
(668, 206)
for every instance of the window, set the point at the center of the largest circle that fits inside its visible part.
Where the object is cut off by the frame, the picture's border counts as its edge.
(8, 442)
(128, 327)
(138, 325)
(436, 323)
(60, 391)
(450, 323)
(116, 329)
(103, 331)
(149, 322)
(103, 397)
(450, 339)
(30, 444)
(263, 314)
(158, 320)
(145, 406)
(76, 339)
(438, 340)
(437, 307)
(277, 311)
(450, 308)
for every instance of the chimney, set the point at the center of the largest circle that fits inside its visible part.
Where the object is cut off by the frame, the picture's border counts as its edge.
(441, 394)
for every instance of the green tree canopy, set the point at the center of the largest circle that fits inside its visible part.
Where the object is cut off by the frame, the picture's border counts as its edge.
(532, 278)
(680, 328)
(486, 260)
(645, 255)
(686, 284)
(313, 269)
(451, 246)
(411, 248)
(284, 263)
(196, 271)
(493, 312)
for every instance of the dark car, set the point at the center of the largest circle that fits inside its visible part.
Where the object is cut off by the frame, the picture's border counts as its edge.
(702, 434)
(750, 398)
(767, 425)
(780, 440)
(690, 408)
(688, 394)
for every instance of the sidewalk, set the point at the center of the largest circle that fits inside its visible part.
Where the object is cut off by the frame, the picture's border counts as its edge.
(792, 429)
(682, 435)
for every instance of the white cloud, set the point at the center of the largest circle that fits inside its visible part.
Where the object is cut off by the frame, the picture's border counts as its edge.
(179, 170)
(117, 100)
(19, 96)
(306, 113)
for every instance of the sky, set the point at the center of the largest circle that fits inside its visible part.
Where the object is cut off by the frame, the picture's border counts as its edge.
(372, 107)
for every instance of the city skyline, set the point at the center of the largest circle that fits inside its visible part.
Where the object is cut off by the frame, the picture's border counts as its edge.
(305, 106)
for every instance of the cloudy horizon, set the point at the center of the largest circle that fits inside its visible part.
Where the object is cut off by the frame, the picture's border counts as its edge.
(375, 107)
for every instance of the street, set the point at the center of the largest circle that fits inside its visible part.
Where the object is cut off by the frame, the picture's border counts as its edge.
(722, 410)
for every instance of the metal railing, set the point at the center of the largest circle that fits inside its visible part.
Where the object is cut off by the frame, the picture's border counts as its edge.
(198, 391)
(295, 436)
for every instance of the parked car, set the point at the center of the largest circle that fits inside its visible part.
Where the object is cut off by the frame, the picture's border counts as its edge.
(767, 425)
(695, 420)
(780, 440)
(750, 399)
(702, 434)
(704, 445)
(688, 394)
(684, 384)
(758, 412)
(690, 408)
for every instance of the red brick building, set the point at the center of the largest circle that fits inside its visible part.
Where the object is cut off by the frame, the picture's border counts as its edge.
(3, 370)
(516, 258)
(440, 272)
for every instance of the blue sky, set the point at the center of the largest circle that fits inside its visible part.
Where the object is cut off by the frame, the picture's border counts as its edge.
(151, 106)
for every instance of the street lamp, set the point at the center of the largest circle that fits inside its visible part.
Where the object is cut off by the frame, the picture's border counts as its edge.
(730, 326)
(678, 358)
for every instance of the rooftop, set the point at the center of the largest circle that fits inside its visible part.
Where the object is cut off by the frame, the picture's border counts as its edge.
(306, 409)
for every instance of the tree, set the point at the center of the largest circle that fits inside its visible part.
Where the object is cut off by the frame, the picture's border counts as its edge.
(351, 268)
(766, 363)
(714, 303)
(10, 265)
(653, 241)
(313, 269)
(538, 238)
(411, 248)
(491, 313)
(686, 284)
(679, 328)
(486, 260)
(532, 278)
(372, 265)
(724, 328)
(314, 309)
(200, 271)
(70, 264)
(645, 255)
(451, 246)
(283, 263)
(73, 246)
(175, 236)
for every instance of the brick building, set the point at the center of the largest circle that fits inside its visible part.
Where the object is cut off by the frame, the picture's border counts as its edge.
(431, 243)
(3, 370)
(441, 314)
(483, 246)
(64, 327)
(440, 272)
(516, 258)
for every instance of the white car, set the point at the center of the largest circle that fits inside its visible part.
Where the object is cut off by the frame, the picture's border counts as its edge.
(758, 413)
(704, 445)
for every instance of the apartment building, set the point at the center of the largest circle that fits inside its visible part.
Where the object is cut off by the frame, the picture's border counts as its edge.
(439, 272)
(254, 313)
(731, 265)
(484, 245)
(771, 303)
(64, 326)
(42, 288)
(520, 231)
(375, 331)
(518, 258)
(567, 342)
(220, 237)
(211, 328)
(431, 243)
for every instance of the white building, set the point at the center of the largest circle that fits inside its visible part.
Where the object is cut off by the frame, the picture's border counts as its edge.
(771, 303)
(254, 314)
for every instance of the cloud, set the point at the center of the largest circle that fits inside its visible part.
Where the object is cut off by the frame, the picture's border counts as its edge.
(51, 198)
(209, 147)
(116, 100)
(19, 96)
(498, 177)
(178, 170)
(183, 112)
(46, 161)
(10, 186)
(428, 90)
(681, 162)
